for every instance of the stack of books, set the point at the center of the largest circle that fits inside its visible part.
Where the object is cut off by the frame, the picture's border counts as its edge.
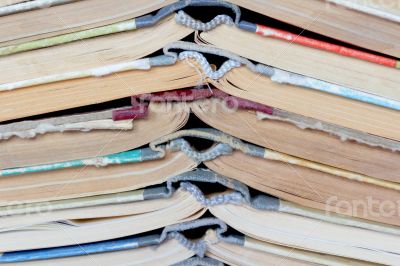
(199, 132)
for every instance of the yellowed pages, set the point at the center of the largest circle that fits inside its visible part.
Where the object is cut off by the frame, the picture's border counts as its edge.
(309, 187)
(65, 235)
(74, 93)
(337, 69)
(90, 181)
(313, 145)
(91, 53)
(368, 118)
(56, 147)
(72, 17)
(310, 234)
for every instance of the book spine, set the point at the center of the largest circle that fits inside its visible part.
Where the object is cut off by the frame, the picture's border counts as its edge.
(142, 64)
(326, 46)
(133, 156)
(69, 37)
(281, 76)
(80, 250)
(135, 112)
(189, 95)
(317, 44)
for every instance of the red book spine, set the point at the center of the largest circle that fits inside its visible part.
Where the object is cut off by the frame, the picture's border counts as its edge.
(338, 49)
(189, 95)
(134, 112)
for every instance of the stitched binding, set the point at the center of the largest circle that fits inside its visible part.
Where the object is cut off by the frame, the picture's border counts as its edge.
(210, 154)
(276, 75)
(197, 261)
(202, 61)
(184, 19)
(206, 133)
(199, 247)
(150, 20)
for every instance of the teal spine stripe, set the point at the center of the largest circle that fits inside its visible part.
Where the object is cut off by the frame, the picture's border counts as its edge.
(118, 158)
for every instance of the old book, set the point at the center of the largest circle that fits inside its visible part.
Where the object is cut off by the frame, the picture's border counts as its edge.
(328, 238)
(287, 132)
(292, 178)
(166, 253)
(78, 188)
(310, 57)
(71, 17)
(89, 208)
(334, 21)
(85, 91)
(333, 109)
(212, 238)
(126, 171)
(265, 206)
(307, 187)
(92, 230)
(228, 254)
(34, 143)
(92, 53)
(360, 116)
(305, 138)
(136, 248)
(256, 252)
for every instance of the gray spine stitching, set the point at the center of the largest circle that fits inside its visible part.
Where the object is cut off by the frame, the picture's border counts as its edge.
(202, 61)
(196, 261)
(231, 198)
(206, 175)
(241, 195)
(150, 20)
(186, 20)
(232, 239)
(210, 154)
(234, 60)
(187, 46)
(176, 143)
(200, 246)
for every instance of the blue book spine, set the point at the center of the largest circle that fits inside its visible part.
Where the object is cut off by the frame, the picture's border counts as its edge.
(80, 250)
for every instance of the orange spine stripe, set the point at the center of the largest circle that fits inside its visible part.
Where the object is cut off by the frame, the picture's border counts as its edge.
(298, 39)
